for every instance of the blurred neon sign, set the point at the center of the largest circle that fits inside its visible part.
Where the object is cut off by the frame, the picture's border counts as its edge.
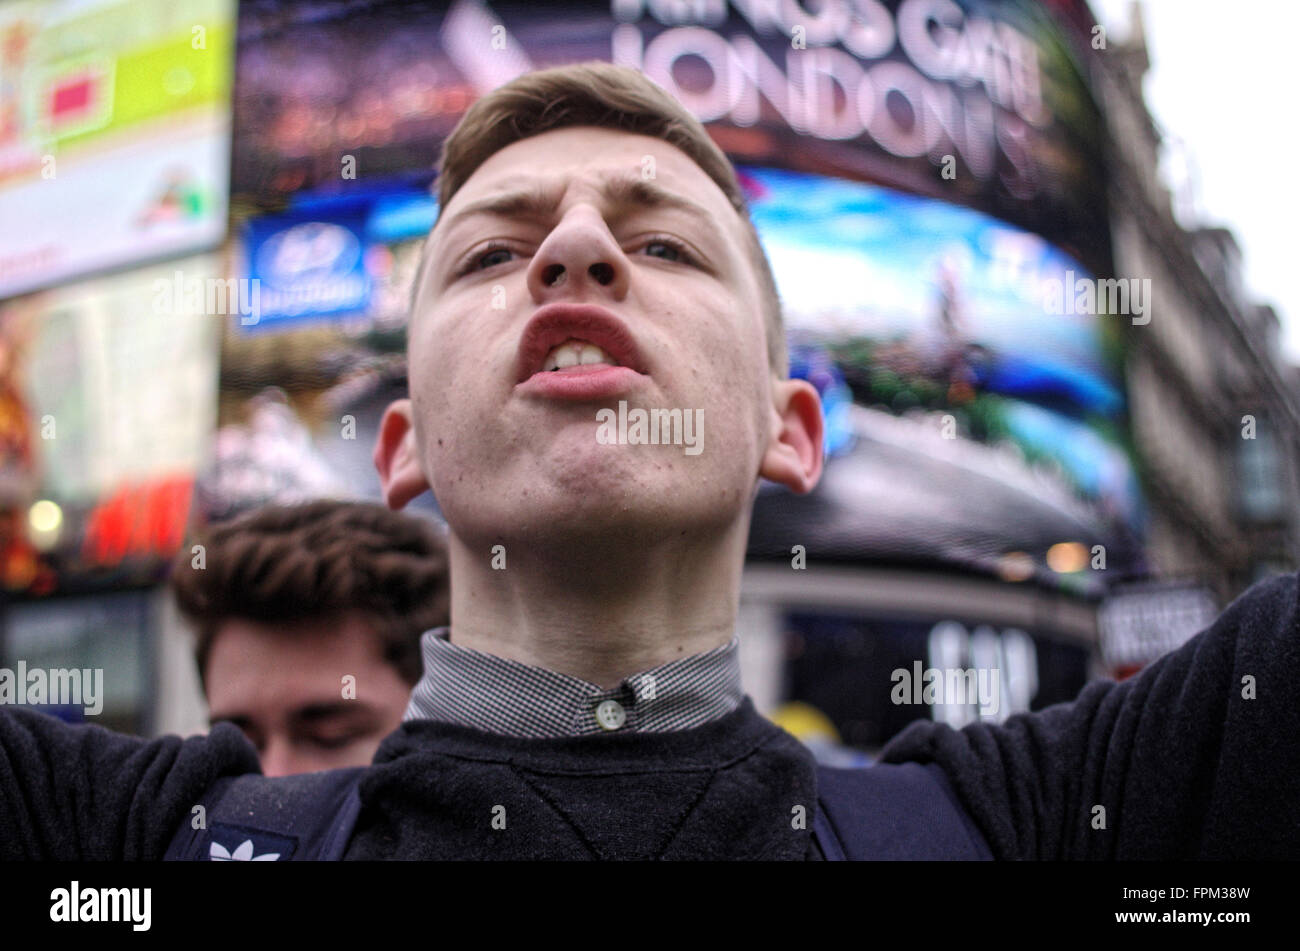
(139, 521)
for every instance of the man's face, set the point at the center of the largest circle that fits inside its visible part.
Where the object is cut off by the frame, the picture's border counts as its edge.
(632, 229)
(283, 685)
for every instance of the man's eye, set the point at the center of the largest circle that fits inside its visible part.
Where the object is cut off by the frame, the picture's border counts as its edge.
(490, 256)
(668, 250)
(493, 257)
(334, 742)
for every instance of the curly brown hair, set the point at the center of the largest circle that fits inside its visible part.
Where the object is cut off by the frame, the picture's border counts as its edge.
(316, 560)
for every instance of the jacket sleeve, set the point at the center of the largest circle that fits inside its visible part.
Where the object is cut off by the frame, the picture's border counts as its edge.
(83, 793)
(1196, 757)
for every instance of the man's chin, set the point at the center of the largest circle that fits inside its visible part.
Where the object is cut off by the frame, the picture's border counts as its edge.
(596, 512)
(583, 515)
(573, 464)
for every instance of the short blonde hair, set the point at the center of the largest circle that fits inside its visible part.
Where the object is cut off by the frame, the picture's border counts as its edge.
(612, 97)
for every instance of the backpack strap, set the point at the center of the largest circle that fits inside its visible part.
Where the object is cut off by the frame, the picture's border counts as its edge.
(887, 811)
(303, 818)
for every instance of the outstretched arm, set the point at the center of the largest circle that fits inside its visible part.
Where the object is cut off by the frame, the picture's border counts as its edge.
(84, 793)
(1197, 757)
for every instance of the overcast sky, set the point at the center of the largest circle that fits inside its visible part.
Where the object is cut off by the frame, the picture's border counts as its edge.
(1224, 80)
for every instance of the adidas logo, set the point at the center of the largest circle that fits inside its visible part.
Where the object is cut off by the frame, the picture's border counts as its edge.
(243, 853)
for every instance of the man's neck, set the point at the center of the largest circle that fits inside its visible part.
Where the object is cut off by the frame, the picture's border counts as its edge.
(595, 610)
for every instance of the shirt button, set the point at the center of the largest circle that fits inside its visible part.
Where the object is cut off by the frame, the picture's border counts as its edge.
(611, 715)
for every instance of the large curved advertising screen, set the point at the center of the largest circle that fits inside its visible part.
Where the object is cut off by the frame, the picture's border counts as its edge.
(981, 102)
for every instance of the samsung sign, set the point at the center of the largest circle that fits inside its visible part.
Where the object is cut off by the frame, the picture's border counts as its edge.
(306, 268)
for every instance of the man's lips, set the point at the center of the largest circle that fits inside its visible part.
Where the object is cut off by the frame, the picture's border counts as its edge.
(593, 381)
(554, 324)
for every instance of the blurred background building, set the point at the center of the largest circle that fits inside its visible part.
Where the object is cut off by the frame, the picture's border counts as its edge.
(1224, 508)
(1015, 481)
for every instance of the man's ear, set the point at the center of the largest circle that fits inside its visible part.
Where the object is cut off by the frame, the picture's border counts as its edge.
(794, 450)
(397, 457)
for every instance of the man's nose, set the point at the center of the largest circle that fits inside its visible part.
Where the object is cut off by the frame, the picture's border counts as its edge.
(578, 259)
(281, 757)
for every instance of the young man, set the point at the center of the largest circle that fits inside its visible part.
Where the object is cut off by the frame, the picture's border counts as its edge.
(309, 620)
(593, 256)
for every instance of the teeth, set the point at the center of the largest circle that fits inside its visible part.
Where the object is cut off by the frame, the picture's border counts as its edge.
(574, 353)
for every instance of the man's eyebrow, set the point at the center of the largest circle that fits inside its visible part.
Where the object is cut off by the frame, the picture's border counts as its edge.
(534, 202)
(645, 192)
(541, 202)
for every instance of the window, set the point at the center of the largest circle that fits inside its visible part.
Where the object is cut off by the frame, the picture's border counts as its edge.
(1259, 474)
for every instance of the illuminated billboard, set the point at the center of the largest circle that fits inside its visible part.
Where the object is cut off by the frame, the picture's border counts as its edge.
(114, 134)
(987, 432)
(982, 102)
(108, 406)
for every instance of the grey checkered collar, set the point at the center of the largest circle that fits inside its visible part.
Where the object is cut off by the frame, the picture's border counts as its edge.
(485, 692)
